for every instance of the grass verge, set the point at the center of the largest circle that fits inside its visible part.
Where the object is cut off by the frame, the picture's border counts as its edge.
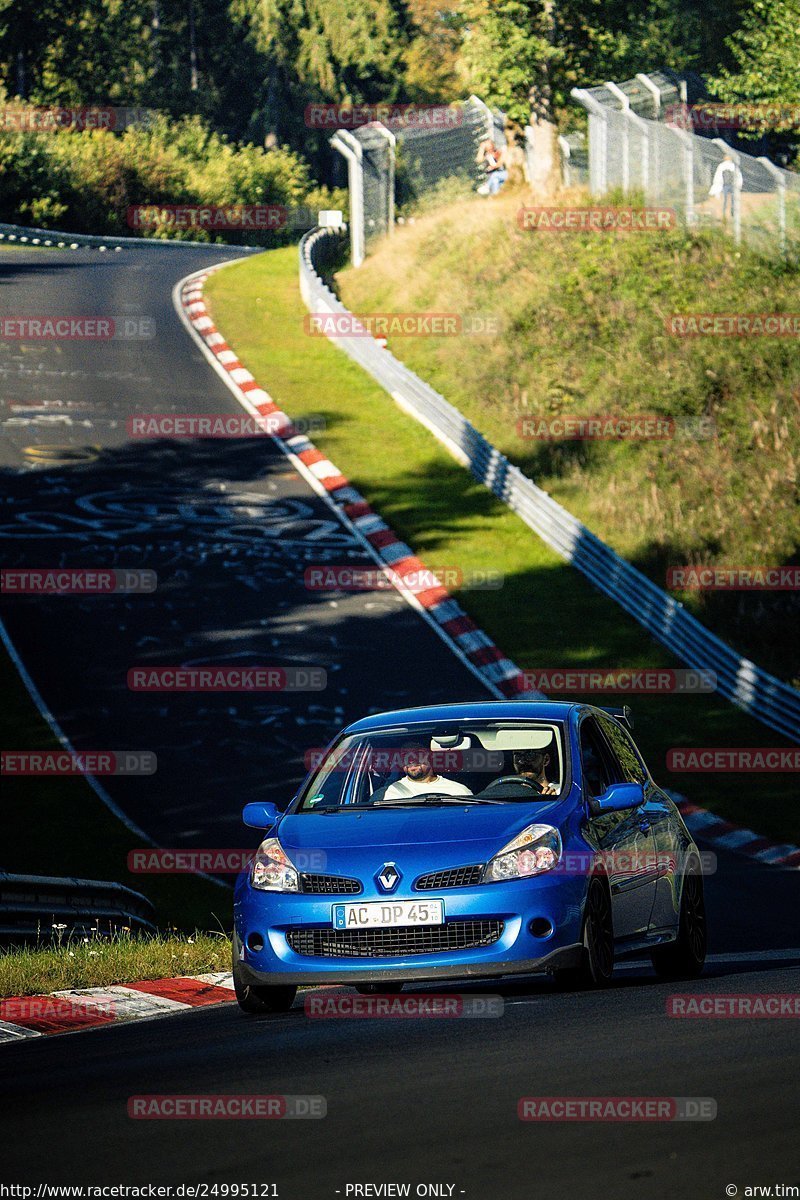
(82, 963)
(546, 615)
(584, 322)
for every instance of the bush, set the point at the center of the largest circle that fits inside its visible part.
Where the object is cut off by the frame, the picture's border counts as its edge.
(85, 181)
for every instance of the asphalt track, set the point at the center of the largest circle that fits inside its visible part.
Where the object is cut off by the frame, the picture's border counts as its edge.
(228, 526)
(435, 1101)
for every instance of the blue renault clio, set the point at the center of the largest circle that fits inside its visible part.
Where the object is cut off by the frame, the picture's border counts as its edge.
(468, 841)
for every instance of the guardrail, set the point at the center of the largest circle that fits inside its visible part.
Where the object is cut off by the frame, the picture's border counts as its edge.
(30, 235)
(32, 905)
(739, 680)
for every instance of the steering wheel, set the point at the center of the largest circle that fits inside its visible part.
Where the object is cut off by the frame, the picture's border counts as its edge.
(516, 779)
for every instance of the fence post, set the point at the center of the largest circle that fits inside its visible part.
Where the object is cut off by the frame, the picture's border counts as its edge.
(625, 105)
(654, 90)
(777, 175)
(598, 141)
(391, 144)
(688, 170)
(487, 112)
(350, 147)
(566, 155)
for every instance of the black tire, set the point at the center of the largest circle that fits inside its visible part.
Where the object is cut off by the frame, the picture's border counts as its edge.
(685, 957)
(379, 989)
(263, 999)
(597, 966)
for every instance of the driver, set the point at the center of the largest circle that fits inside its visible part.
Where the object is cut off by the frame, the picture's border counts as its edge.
(529, 775)
(419, 776)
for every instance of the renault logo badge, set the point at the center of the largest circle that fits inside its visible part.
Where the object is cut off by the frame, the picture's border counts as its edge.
(388, 877)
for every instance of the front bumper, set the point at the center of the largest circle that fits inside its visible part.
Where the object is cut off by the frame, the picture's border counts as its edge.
(264, 956)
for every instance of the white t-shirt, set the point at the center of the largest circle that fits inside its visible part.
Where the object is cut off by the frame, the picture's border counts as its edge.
(410, 787)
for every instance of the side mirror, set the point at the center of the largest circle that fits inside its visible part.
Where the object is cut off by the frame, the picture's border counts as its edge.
(617, 798)
(259, 815)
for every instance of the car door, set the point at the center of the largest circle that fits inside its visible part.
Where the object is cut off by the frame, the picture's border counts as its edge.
(623, 838)
(656, 813)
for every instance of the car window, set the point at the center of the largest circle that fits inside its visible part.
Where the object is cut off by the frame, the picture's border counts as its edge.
(600, 768)
(624, 750)
(440, 763)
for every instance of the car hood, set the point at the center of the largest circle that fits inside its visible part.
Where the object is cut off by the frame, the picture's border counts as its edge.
(442, 835)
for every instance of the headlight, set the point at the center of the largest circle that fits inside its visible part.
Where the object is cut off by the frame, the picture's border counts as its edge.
(535, 850)
(272, 871)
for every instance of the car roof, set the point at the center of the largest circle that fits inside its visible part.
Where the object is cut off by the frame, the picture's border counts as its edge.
(480, 710)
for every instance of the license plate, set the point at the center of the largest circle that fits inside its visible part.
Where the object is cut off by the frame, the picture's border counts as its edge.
(388, 912)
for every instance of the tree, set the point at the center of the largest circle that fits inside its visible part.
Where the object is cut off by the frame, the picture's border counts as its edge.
(434, 69)
(766, 53)
(509, 51)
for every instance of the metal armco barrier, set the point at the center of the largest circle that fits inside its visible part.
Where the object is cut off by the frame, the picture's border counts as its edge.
(30, 905)
(739, 680)
(29, 235)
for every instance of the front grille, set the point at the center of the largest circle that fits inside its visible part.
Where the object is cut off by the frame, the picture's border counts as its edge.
(394, 943)
(454, 877)
(329, 885)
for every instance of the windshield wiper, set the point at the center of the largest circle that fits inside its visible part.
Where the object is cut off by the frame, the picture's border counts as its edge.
(431, 798)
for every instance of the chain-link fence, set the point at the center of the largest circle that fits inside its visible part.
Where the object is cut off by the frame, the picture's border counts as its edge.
(708, 181)
(400, 163)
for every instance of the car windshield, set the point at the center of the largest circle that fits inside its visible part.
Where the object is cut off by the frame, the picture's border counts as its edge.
(469, 763)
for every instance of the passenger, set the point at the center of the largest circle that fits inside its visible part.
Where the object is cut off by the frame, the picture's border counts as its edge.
(419, 777)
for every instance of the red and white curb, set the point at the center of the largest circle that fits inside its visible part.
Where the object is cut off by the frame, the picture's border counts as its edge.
(708, 827)
(406, 571)
(475, 649)
(67, 1011)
